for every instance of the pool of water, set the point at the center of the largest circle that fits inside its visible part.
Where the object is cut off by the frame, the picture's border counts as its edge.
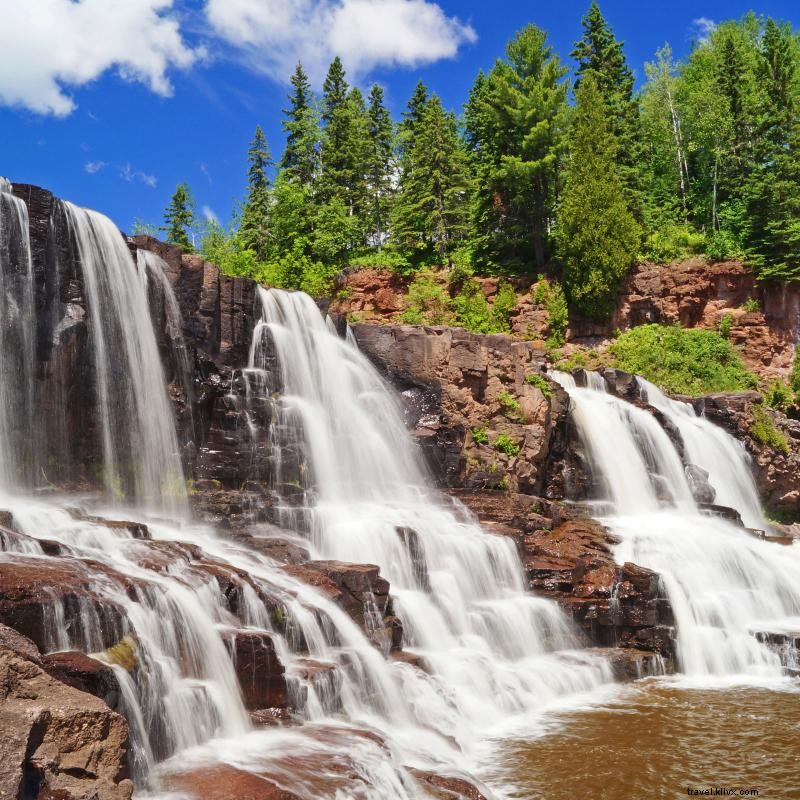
(658, 739)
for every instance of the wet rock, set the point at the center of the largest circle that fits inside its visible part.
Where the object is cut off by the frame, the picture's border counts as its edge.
(630, 664)
(136, 530)
(722, 512)
(259, 670)
(445, 787)
(224, 782)
(30, 588)
(702, 491)
(57, 742)
(361, 591)
(84, 673)
(614, 604)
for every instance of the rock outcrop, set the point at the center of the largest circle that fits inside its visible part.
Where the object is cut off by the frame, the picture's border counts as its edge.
(57, 742)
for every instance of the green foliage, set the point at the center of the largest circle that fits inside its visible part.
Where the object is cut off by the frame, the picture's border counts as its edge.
(671, 242)
(779, 395)
(510, 405)
(794, 375)
(514, 119)
(723, 245)
(751, 305)
(179, 218)
(382, 258)
(225, 249)
(725, 326)
(300, 161)
(682, 361)
(254, 230)
(597, 237)
(540, 382)
(431, 213)
(764, 430)
(480, 436)
(427, 302)
(505, 444)
(550, 295)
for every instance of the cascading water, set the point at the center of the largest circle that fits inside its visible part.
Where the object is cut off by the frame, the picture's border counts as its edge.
(725, 585)
(17, 343)
(140, 449)
(494, 650)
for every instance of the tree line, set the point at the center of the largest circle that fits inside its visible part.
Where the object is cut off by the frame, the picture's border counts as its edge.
(542, 173)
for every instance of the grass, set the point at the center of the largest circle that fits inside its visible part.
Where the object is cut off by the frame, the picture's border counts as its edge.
(510, 405)
(682, 361)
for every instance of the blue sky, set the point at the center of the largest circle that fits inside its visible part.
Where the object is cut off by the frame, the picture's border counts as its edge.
(111, 103)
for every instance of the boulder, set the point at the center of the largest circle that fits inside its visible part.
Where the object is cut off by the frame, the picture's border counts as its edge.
(259, 670)
(57, 742)
(448, 787)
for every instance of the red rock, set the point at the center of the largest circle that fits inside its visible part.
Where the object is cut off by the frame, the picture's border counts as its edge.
(261, 673)
(223, 782)
(448, 787)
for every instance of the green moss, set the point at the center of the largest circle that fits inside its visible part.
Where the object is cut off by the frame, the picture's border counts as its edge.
(763, 429)
(532, 379)
(505, 444)
(682, 361)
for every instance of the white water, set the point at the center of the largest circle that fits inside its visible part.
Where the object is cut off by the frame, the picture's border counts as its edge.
(17, 343)
(724, 584)
(140, 449)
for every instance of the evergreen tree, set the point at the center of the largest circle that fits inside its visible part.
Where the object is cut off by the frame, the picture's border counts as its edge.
(597, 236)
(301, 156)
(254, 230)
(600, 55)
(773, 187)
(179, 218)
(380, 166)
(514, 118)
(407, 129)
(431, 214)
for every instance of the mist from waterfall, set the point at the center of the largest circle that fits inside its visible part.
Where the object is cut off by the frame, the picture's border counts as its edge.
(724, 583)
(18, 437)
(141, 462)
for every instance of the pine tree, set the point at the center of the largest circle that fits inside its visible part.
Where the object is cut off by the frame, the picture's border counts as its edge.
(380, 166)
(431, 215)
(254, 230)
(514, 118)
(407, 129)
(179, 218)
(773, 186)
(599, 54)
(597, 236)
(301, 157)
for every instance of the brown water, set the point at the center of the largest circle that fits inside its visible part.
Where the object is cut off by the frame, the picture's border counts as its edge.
(656, 741)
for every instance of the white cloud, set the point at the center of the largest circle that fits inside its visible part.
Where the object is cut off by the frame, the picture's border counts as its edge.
(52, 46)
(210, 215)
(94, 166)
(273, 35)
(702, 28)
(128, 173)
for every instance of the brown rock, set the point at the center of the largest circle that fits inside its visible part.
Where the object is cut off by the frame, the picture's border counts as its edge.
(57, 742)
(444, 787)
(223, 782)
(261, 673)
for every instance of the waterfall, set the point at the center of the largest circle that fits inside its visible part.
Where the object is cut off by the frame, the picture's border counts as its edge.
(140, 449)
(355, 483)
(727, 587)
(18, 436)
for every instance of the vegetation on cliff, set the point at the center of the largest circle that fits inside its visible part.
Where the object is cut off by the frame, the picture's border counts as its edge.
(682, 361)
(702, 159)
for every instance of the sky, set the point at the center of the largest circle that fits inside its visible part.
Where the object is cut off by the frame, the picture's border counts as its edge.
(111, 103)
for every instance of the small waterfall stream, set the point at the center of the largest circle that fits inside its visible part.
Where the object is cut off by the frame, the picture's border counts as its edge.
(140, 448)
(725, 585)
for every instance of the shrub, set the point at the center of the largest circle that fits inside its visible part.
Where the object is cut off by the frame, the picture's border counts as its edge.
(794, 375)
(725, 326)
(532, 379)
(682, 361)
(427, 301)
(472, 309)
(722, 245)
(504, 303)
(779, 395)
(764, 430)
(751, 305)
(505, 444)
(480, 436)
(550, 295)
(671, 241)
(510, 405)
(381, 259)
